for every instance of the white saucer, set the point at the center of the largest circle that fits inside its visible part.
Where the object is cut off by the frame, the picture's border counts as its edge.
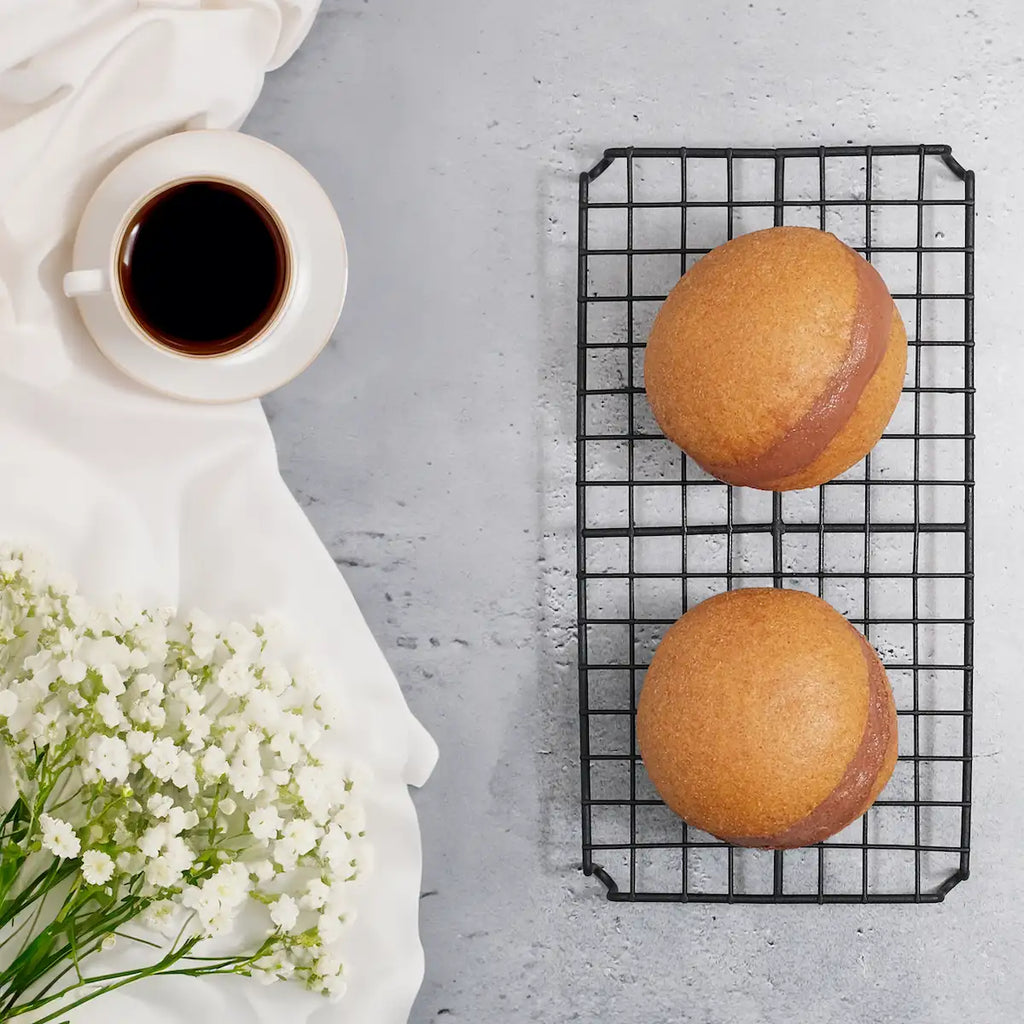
(319, 266)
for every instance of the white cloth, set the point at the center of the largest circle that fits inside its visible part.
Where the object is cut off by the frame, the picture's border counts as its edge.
(169, 502)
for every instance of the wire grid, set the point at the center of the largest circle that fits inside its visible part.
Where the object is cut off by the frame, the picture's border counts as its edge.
(889, 543)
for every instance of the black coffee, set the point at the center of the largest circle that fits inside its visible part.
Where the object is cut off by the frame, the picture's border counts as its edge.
(203, 267)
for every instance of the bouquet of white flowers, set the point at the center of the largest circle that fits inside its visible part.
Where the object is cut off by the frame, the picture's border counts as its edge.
(165, 774)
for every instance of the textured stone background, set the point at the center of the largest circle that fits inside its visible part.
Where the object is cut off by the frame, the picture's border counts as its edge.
(432, 448)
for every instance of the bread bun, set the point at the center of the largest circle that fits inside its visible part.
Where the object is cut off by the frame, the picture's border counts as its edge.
(766, 719)
(777, 360)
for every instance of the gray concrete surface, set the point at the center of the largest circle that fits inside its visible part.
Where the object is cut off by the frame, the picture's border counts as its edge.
(432, 448)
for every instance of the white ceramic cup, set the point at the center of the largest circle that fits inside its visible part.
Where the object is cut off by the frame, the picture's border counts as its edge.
(316, 257)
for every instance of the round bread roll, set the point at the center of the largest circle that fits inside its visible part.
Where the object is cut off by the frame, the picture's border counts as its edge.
(766, 719)
(777, 360)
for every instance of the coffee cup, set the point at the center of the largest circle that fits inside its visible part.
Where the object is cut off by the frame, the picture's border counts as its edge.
(210, 266)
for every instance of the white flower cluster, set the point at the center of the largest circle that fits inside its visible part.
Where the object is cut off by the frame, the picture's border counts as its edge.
(181, 764)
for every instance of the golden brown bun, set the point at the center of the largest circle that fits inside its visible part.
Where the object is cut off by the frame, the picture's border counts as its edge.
(751, 345)
(766, 719)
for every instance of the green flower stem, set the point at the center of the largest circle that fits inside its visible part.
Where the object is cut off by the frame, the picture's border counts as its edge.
(164, 967)
(75, 932)
(35, 972)
(117, 980)
(33, 921)
(96, 928)
(39, 887)
(45, 951)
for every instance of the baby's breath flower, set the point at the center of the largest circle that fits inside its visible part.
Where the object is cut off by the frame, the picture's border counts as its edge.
(276, 678)
(246, 776)
(97, 867)
(178, 819)
(265, 823)
(334, 987)
(152, 841)
(203, 631)
(286, 749)
(336, 847)
(262, 870)
(129, 863)
(184, 775)
(214, 762)
(151, 636)
(315, 895)
(162, 760)
(235, 677)
(109, 710)
(198, 726)
(8, 703)
(161, 916)
(241, 639)
(113, 681)
(301, 833)
(159, 805)
(315, 791)
(109, 756)
(330, 928)
(285, 913)
(139, 742)
(328, 965)
(72, 670)
(352, 816)
(59, 837)
(161, 873)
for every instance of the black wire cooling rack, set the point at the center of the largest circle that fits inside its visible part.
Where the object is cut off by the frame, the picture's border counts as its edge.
(889, 543)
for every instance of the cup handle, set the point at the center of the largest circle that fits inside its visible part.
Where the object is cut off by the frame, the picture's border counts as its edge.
(84, 282)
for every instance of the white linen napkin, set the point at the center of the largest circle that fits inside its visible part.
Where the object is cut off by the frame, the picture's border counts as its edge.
(169, 502)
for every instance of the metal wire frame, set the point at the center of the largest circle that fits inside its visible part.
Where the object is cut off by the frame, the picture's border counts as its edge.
(935, 813)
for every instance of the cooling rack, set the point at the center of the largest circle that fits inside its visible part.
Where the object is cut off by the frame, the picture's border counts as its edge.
(889, 543)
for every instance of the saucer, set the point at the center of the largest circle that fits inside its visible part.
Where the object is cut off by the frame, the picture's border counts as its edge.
(318, 283)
